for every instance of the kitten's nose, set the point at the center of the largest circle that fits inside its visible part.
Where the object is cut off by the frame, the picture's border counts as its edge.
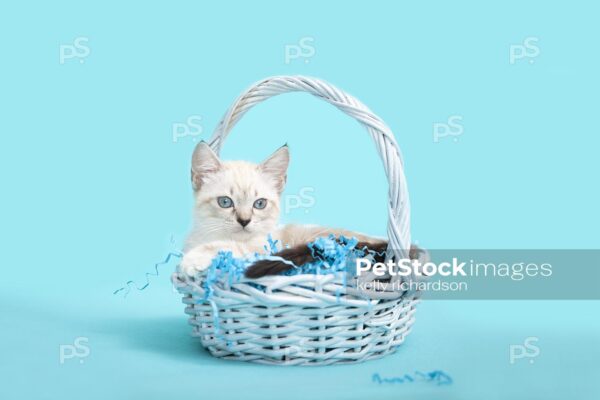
(243, 222)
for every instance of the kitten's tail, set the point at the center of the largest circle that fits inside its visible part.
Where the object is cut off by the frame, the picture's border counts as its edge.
(302, 254)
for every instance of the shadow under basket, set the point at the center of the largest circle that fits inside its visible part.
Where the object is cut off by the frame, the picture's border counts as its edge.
(308, 319)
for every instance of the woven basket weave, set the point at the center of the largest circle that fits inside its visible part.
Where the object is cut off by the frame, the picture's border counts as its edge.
(309, 319)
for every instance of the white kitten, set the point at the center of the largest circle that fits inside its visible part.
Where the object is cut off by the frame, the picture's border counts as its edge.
(237, 207)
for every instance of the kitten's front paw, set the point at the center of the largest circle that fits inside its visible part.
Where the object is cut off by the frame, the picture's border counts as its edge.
(194, 262)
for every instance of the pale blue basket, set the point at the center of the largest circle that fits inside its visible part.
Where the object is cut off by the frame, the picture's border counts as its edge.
(309, 319)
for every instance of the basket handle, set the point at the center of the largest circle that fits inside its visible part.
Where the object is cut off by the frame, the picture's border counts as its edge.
(398, 207)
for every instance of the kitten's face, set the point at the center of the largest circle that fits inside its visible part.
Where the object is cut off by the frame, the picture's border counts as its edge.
(237, 200)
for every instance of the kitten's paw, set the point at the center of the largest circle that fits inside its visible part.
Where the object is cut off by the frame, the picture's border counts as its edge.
(194, 262)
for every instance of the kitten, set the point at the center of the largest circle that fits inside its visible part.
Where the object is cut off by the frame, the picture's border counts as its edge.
(237, 207)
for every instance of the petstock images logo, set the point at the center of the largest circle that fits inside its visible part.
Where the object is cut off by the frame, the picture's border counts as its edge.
(488, 274)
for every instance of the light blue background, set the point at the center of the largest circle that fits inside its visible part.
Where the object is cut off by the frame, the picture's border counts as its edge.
(95, 191)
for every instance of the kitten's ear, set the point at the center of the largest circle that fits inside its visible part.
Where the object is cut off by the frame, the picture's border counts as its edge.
(276, 166)
(204, 161)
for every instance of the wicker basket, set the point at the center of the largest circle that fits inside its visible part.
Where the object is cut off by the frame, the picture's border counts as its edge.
(309, 319)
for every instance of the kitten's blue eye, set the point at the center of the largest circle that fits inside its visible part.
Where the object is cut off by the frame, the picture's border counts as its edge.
(225, 202)
(260, 204)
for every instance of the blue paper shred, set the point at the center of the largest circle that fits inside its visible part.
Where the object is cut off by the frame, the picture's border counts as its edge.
(333, 255)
